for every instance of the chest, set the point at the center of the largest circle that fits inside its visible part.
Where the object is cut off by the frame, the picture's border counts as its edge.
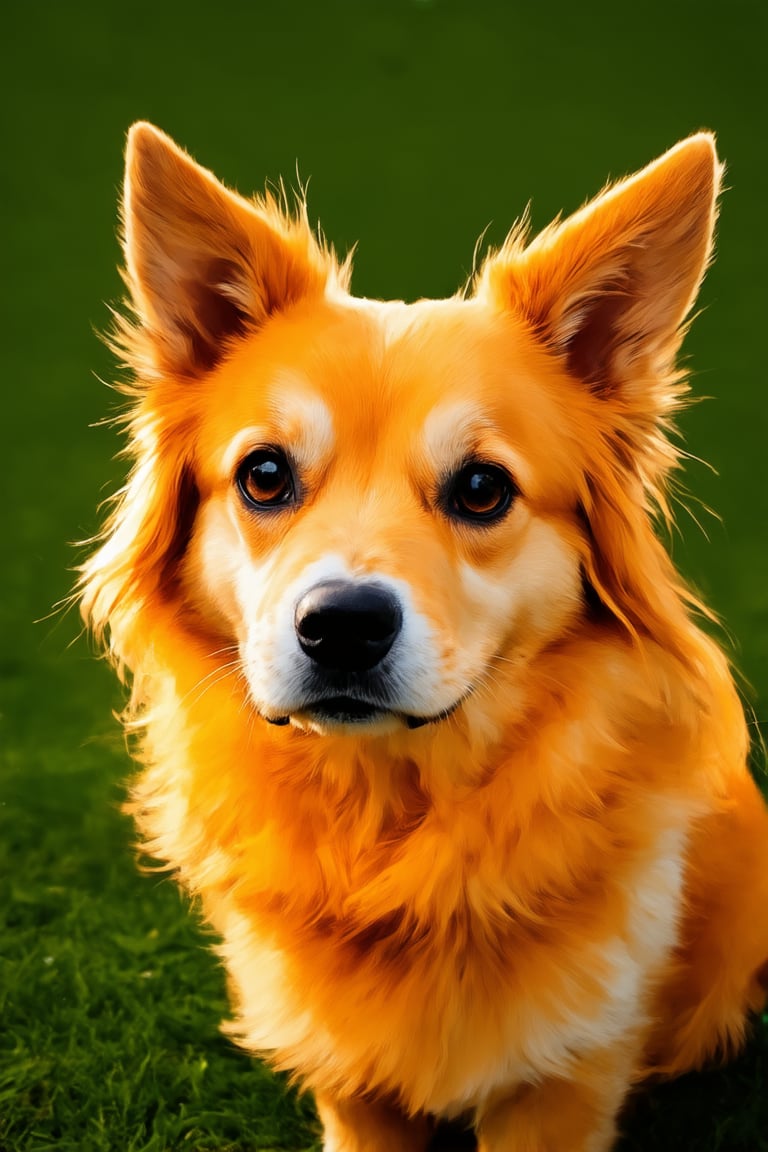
(444, 1010)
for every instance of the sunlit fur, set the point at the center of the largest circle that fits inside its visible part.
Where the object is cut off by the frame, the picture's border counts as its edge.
(514, 912)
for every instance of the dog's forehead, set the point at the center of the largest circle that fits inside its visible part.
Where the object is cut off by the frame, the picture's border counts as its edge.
(441, 376)
(455, 378)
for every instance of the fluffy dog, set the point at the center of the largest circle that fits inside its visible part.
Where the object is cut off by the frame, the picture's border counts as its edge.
(424, 717)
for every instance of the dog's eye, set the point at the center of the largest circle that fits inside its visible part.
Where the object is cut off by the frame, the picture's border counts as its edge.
(265, 479)
(480, 492)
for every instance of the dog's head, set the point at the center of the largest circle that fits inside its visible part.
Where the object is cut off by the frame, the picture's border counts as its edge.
(380, 510)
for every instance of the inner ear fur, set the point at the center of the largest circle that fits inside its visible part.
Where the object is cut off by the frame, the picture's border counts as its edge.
(203, 265)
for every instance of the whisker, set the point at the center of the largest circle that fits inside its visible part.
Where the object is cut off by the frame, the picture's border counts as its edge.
(213, 678)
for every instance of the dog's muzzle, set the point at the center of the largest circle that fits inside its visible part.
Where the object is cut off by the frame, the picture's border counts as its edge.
(346, 629)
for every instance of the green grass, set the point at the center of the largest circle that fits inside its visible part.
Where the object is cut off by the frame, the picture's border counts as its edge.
(418, 123)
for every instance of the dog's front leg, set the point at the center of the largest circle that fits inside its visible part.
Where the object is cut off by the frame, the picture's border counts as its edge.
(359, 1125)
(559, 1115)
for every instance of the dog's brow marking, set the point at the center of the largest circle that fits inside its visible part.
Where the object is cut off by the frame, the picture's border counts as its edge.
(255, 436)
(450, 430)
(299, 421)
(305, 418)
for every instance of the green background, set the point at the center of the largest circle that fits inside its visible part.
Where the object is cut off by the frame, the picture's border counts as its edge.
(417, 124)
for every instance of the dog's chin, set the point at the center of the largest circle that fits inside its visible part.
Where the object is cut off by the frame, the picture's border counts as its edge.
(345, 714)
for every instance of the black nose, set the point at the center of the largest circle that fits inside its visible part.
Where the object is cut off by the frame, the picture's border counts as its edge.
(347, 626)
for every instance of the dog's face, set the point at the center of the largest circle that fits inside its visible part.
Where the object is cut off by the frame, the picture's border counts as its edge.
(379, 510)
(379, 520)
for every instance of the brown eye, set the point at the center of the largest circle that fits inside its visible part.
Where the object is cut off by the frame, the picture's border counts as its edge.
(265, 479)
(480, 492)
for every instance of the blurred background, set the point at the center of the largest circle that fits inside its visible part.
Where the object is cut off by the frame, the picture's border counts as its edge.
(418, 124)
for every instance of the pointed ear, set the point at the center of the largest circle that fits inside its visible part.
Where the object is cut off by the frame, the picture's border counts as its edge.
(203, 265)
(609, 288)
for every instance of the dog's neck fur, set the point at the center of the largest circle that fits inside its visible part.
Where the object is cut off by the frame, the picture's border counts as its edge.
(367, 794)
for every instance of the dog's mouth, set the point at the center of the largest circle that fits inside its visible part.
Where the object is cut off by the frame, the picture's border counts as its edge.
(343, 711)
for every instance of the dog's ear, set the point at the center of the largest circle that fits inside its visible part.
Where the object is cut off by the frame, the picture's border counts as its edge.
(608, 289)
(203, 265)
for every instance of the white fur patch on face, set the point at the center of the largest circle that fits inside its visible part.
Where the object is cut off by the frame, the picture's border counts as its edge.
(279, 673)
(535, 596)
(306, 420)
(450, 429)
(217, 559)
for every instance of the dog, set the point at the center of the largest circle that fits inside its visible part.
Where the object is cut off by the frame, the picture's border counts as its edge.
(424, 716)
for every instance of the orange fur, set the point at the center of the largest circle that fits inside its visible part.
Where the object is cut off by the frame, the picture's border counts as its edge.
(557, 884)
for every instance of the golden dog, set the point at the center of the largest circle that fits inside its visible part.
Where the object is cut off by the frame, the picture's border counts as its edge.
(425, 719)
